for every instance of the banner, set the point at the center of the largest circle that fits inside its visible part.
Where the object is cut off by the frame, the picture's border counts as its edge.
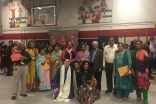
(63, 36)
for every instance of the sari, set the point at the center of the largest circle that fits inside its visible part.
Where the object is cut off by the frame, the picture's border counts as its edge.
(42, 74)
(123, 84)
(54, 56)
(140, 64)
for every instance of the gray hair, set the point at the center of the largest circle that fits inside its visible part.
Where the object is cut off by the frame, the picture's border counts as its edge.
(95, 42)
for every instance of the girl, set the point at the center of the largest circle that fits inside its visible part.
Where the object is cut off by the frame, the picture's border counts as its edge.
(16, 56)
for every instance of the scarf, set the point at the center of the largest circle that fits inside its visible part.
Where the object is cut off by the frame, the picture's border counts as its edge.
(64, 85)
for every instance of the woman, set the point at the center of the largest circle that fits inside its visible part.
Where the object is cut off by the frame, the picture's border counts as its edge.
(87, 92)
(31, 84)
(123, 84)
(83, 54)
(69, 52)
(48, 54)
(42, 68)
(140, 64)
(77, 81)
(56, 59)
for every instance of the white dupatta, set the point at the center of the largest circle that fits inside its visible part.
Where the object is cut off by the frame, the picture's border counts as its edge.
(64, 86)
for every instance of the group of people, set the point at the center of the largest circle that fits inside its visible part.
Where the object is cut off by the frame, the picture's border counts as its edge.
(78, 73)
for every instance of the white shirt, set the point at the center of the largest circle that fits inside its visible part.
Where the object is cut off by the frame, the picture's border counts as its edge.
(109, 53)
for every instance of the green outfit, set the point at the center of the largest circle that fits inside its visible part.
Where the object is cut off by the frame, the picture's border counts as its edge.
(123, 84)
(54, 56)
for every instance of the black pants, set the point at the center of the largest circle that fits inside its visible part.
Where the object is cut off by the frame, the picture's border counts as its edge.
(109, 77)
(150, 67)
(98, 76)
(9, 66)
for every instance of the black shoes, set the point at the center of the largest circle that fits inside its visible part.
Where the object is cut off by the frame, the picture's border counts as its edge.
(108, 91)
(24, 95)
(13, 98)
(115, 93)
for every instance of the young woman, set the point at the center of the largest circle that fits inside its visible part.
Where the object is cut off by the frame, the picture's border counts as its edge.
(48, 54)
(123, 84)
(140, 64)
(56, 59)
(42, 68)
(77, 81)
(87, 92)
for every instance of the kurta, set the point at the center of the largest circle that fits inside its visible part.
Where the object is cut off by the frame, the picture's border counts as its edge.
(57, 83)
(31, 65)
(85, 55)
(54, 56)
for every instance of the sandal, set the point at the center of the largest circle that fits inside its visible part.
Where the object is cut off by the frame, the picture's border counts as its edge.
(137, 100)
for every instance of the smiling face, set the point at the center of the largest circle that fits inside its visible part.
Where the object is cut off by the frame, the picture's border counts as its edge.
(86, 66)
(76, 65)
(120, 47)
(66, 63)
(138, 44)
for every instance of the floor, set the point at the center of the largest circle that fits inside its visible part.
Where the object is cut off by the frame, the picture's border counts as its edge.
(46, 97)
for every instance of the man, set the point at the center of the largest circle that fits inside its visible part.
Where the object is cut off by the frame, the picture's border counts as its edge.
(108, 59)
(8, 54)
(20, 74)
(97, 63)
(63, 83)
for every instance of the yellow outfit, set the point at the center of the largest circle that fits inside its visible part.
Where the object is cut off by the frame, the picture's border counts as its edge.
(31, 66)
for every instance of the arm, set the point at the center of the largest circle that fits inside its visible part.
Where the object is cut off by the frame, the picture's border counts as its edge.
(129, 60)
(63, 55)
(88, 57)
(28, 57)
(57, 78)
(146, 65)
(93, 80)
(53, 57)
(14, 48)
(91, 14)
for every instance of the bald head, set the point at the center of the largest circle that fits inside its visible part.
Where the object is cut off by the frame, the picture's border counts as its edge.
(95, 44)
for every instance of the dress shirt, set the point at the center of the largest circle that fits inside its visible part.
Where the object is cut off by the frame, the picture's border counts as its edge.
(109, 54)
(93, 55)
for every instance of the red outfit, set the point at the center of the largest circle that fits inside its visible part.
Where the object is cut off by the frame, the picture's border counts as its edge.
(16, 56)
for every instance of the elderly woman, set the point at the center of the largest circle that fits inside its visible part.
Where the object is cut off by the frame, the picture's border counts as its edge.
(20, 74)
(83, 54)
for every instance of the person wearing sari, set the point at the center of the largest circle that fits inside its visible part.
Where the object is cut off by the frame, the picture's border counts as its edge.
(63, 83)
(83, 54)
(87, 92)
(31, 82)
(140, 65)
(42, 68)
(56, 59)
(69, 52)
(48, 54)
(123, 84)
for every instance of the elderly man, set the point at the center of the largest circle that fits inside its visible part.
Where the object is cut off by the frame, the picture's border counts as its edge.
(20, 74)
(97, 63)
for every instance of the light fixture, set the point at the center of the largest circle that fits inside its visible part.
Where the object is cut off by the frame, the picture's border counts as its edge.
(39, 8)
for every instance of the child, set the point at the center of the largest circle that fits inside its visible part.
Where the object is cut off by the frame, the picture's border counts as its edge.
(16, 56)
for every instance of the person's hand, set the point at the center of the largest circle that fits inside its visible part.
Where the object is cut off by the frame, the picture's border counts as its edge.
(126, 73)
(82, 59)
(133, 72)
(89, 87)
(55, 90)
(100, 69)
(114, 74)
(146, 76)
(23, 58)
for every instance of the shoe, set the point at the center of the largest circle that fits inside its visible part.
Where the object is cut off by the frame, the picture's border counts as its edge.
(24, 95)
(108, 91)
(115, 93)
(13, 98)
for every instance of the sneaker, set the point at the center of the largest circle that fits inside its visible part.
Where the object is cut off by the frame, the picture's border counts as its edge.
(24, 95)
(13, 98)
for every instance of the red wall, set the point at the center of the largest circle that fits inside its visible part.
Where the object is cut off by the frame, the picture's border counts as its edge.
(86, 34)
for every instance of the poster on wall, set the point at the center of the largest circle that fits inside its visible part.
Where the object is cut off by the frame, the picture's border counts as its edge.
(95, 11)
(20, 15)
(63, 36)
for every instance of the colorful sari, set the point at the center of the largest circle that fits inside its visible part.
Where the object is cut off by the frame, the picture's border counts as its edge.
(42, 74)
(48, 59)
(123, 84)
(140, 64)
(85, 96)
(54, 56)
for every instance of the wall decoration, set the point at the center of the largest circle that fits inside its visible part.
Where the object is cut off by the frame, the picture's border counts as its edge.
(63, 36)
(95, 11)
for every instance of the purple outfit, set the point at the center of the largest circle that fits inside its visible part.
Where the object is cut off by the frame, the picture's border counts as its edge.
(152, 49)
(85, 55)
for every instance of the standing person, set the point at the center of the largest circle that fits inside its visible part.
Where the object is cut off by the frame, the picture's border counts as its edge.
(87, 92)
(69, 52)
(83, 54)
(42, 67)
(123, 84)
(31, 66)
(152, 55)
(9, 62)
(97, 63)
(56, 59)
(20, 74)
(4, 57)
(140, 65)
(108, 59)
(47, 56)
(63, 82)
